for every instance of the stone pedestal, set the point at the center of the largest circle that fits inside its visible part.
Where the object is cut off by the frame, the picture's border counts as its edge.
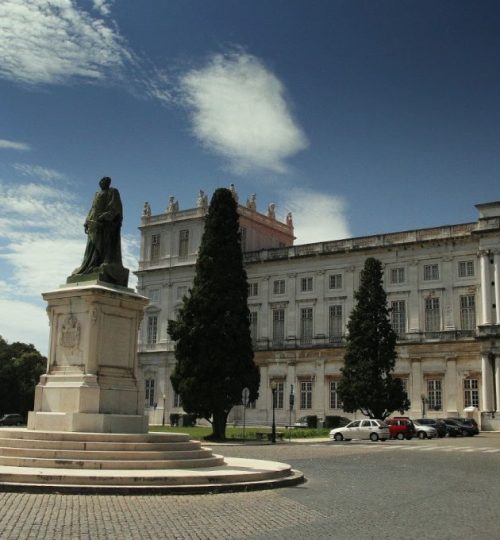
(92, 382)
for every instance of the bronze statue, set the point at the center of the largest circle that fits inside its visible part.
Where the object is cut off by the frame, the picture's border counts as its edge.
(103, 255)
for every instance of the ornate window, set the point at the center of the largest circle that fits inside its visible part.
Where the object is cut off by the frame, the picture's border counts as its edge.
(183, 243)
(468, 312)
(432, 315)
(278, 326)
(154, 296)
(152, 330)
(434, 394)
(149, 392)
(465, 269)
(155, 247)
(306, 394)
(471, 393)
(279, 286)
(306, 284)
(398, 316)
(177, 401)
(336, 281)
(431, 272)
(335, 402)
(306, 325)
(279, 395)
(253, 326)
(253, 289)
(335, 323)
(397, 275)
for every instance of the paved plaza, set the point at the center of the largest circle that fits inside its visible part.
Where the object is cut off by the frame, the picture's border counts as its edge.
(442, 489)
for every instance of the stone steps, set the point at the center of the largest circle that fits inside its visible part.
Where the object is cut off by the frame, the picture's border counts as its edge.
(88, 463)
(77, 462)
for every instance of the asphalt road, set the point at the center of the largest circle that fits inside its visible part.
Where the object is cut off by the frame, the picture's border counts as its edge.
(441, 489)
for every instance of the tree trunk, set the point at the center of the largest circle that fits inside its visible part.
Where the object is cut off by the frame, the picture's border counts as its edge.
(219, 425)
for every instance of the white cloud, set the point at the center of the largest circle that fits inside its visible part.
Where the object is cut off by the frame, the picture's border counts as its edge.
(52, 41)
(317, 217)
(13, 145)
(42, 232)
(38, 172)
(25, 322)
(41, 243)
(238, 110)
(102, 6)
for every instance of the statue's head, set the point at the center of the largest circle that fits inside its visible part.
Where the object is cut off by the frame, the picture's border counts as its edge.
(105, 182)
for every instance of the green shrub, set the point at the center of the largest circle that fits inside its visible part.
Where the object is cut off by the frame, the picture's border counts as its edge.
(332, 422)
(312, 421)
(188, 420)
(174, 419)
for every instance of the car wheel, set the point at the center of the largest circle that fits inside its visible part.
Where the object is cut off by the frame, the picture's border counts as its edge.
(422, 435)
(338, 437)
(373, 437)
(400, 436)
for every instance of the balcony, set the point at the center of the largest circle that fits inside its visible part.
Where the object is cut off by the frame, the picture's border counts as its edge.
(327, 342)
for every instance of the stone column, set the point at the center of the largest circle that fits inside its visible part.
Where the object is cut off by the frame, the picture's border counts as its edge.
(264, 313)
(293, 312)
(496, 277)
(320, 321)
(413, 300)
(497, 384)
(451, 386)
(447, 278)
(485, 288)
(416, 385)
(487, 382)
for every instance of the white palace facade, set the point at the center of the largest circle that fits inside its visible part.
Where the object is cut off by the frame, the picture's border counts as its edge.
(442, 284)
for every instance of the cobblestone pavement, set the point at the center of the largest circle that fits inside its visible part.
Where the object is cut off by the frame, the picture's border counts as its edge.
(353, 491)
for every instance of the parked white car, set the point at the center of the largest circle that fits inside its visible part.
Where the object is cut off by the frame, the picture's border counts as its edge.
(424, 431)
(361, 429)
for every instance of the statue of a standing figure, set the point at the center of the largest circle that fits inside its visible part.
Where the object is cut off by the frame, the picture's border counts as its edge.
(103, 255)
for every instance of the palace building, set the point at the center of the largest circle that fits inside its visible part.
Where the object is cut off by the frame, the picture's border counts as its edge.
(443, 290)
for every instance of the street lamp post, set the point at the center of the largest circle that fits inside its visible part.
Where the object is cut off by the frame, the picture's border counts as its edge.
(424, 401)
(164, 407)
(273, 427)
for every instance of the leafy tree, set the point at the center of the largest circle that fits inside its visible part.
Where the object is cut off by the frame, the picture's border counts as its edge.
(20, 368)
(214, 350)
(366, 383)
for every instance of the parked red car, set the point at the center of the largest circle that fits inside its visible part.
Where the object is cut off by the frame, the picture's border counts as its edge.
(401, 427)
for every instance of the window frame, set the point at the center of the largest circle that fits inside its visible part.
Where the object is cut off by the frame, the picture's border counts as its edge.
(466, 269)
(431, 272)
(306, 284)
(335, 281)
(183, 243)
(279, 287)
(306, 390)
(155, 247)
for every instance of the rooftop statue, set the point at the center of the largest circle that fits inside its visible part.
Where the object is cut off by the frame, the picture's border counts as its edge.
(103, 255)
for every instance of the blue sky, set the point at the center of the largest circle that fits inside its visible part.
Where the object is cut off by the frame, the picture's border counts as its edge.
(360, 117)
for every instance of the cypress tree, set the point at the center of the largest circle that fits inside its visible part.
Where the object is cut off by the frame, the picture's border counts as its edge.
(214, 349)
(370, 357)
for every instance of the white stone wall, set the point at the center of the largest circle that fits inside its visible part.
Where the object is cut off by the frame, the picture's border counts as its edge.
(449, 355)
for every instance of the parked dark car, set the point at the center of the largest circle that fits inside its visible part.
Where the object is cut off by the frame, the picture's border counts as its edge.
(453, 428)
(468, 426)
(438, 425)
(11, 420)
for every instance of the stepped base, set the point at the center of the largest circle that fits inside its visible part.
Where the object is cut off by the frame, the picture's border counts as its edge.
(127, 463)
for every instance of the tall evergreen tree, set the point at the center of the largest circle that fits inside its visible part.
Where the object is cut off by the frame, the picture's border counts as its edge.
(214, 349)
(20, 368)
(366, 383)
